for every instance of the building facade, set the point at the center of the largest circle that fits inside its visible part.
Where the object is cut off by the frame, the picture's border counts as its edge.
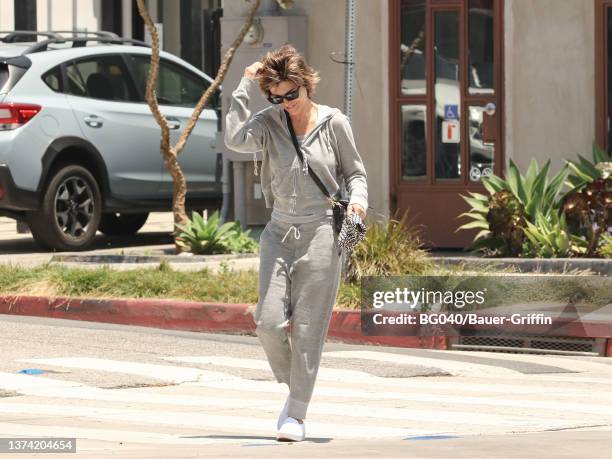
(444, 91)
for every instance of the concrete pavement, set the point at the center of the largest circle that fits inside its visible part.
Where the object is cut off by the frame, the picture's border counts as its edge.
(134, 392)
(151, 243)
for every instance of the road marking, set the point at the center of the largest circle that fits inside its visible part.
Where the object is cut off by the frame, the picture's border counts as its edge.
(29, 385)
(215, 379)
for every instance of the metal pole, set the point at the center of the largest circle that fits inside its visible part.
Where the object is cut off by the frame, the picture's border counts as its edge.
(49, 15)
(126, 13)
(74, 15)
(348, 52)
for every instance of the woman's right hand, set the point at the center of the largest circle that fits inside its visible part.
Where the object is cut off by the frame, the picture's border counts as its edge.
(252, 69)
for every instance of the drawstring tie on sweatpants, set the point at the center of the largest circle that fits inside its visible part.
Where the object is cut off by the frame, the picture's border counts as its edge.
(296, 232)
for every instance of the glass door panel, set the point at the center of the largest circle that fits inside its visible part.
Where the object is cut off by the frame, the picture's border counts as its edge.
(482, 152)
(414, 142)
(481, 54)
(447, 96)
(412, 61)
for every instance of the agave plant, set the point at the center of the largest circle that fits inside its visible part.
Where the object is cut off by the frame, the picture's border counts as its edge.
(588, 204)
(502, 216)
(605, 247)
(585, 171)
(549, 237)
(201, 236)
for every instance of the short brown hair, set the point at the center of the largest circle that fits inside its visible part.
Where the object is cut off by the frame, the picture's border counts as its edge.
(286, 64)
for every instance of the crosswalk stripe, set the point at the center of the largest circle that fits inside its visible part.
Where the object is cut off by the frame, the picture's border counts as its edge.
(196, 376)
(30, 385)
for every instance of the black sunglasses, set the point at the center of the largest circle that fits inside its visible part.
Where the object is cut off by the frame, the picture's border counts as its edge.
(291, 95)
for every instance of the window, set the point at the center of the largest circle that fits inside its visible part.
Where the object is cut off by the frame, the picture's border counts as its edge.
(100, 77)
(175, 85)
(53, 79)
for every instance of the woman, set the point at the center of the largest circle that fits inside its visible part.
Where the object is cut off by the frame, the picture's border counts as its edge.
(299, 271)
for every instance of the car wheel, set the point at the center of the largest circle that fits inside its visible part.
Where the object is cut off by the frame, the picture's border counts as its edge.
(116, 224)
(70, 211)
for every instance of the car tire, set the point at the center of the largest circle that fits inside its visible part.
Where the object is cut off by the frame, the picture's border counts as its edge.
(117, 224)
(70, 210)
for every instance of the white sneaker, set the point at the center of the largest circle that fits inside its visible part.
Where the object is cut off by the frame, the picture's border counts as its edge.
(283, 414)
(291, 430)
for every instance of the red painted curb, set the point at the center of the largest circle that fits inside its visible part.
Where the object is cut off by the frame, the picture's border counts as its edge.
(176, 315)
(344, 326)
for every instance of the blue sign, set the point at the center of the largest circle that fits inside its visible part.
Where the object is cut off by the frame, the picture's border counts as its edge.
(451, 112)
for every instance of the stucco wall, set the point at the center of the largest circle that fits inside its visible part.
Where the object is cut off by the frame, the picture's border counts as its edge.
(550, 79)
(370, 121)
(7, 15)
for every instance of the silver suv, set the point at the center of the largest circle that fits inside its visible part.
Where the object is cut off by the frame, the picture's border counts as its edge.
(79, 147)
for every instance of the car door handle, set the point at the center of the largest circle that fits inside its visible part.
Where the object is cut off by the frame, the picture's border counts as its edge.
(93, 121)
(173, 123)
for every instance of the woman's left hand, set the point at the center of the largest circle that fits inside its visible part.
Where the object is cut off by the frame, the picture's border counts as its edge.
(356, 208)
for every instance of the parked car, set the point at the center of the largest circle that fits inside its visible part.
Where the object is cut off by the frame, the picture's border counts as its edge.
(79, 147)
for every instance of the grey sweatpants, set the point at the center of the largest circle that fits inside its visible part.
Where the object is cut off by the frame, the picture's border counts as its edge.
(298, 283)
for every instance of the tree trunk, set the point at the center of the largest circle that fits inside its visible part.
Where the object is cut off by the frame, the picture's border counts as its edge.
(169, 153)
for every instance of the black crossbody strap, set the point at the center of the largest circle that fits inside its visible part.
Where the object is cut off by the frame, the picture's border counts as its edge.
(301, 157)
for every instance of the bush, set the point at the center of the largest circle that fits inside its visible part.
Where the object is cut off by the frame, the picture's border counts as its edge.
(201, 236)
(588, 204)
(512, 203)
(529, 216)
(389, 248)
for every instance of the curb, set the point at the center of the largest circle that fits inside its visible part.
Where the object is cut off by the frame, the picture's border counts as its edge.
(601, 266)
(345, 326)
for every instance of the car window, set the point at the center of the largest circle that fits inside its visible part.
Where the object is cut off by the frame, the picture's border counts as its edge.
(100, 77)
(175, 85)
(4, 74)
(53, 79)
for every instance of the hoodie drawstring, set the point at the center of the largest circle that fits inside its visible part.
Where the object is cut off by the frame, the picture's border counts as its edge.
(296, 232)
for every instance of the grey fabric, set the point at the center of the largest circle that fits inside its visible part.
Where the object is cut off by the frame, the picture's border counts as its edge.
(329, 149)
(298, 283)
(300, 266)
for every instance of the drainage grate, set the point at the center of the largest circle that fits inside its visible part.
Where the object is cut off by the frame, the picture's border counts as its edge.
(532, 344)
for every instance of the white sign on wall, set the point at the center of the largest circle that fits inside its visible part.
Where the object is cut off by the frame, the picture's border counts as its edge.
(451, 131)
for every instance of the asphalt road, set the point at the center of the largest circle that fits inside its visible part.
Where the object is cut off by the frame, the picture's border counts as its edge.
(140, 392)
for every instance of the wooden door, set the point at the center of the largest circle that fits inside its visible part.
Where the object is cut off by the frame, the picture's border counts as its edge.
(446, 107)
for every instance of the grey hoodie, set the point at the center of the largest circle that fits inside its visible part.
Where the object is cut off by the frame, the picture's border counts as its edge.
(329, 149)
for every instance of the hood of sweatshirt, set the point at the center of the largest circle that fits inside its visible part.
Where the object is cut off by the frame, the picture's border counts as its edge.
(325, 113)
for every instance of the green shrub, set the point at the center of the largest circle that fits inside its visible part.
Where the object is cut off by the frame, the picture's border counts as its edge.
(550, 237)
(585, 171)
(201, 236)
(390, 248)
(605, 248)
(503, 215)
(588, 204)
